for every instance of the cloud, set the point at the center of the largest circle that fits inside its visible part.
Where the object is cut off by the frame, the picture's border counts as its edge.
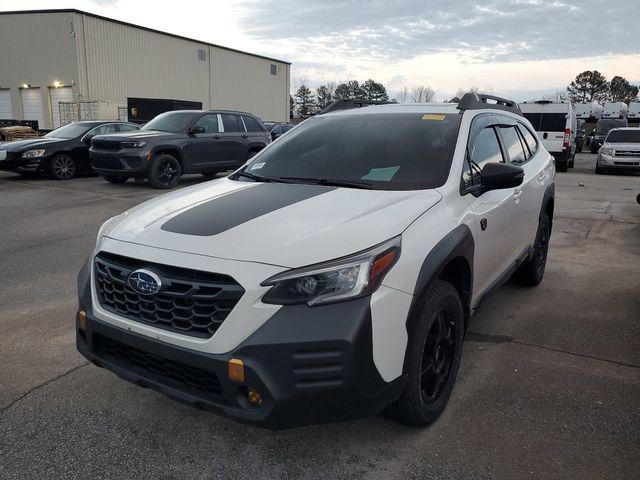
(493, 31)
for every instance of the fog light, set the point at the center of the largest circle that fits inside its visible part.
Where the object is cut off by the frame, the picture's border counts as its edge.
(82, 320)
(254, 396)
(236, 370)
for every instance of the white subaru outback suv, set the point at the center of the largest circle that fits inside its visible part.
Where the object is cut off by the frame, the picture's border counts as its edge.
(331, 277)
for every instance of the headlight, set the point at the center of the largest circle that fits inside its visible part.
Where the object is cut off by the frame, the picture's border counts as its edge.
(342, 279)
(33, 153)
(132, 144)
(607, 151)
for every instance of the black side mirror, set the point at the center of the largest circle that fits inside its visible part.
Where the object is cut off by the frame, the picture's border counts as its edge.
(495, 176)
(87, 139)
(196, 129)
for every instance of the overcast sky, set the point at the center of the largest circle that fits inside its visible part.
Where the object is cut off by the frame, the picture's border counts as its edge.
(518, 48)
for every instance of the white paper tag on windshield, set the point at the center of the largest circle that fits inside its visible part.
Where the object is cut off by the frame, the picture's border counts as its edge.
(257, 166)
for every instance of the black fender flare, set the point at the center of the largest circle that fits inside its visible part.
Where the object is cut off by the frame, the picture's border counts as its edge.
(458, 243)
(549, 196)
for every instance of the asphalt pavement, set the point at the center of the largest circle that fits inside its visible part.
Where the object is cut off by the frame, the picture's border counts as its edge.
(549, 385)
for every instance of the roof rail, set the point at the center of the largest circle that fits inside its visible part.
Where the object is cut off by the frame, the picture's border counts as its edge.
(349, 103)
(478, 101)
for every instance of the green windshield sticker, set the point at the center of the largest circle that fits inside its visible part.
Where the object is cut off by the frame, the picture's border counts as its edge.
(381, 174)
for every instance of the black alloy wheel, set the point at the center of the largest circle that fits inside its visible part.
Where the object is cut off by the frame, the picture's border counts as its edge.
(62, 167)
(165, 171)
(437, 357)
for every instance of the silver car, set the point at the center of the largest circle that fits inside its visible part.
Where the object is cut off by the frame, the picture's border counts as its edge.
(620, 150)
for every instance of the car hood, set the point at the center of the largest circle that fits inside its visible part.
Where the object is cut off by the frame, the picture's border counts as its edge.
(289, 225)
(19, 145)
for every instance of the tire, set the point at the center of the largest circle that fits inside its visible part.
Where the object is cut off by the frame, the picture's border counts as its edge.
(433, 357)
(115, 178)
(592, 149)
(531, 272)
(562, 166)
(164, 172)
(62, 167)
(599, 170)
(572, 161)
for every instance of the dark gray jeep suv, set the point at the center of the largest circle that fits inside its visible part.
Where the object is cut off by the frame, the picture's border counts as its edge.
(178, 142)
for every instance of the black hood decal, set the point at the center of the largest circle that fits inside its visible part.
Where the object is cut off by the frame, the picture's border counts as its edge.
(220, 214)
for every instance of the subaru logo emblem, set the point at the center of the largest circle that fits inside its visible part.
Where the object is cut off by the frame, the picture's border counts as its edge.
(144, 282)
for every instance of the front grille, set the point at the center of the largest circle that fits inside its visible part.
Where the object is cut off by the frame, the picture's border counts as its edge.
(191, 302)
(13, 156)
(163, 370)
(626, 153)
(627, 164)
(105, 144)
(108, 163)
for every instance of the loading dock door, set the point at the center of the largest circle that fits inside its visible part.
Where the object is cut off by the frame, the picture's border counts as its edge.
(6, 112)
(32, 105)
(62, 94)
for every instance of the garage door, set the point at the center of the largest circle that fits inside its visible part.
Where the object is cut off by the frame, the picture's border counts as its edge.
(32, 105)
(6, 112)
(63, 94)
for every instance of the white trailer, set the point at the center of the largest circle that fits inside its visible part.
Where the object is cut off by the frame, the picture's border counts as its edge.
(589, 111)
(634, 111)
(615, 110)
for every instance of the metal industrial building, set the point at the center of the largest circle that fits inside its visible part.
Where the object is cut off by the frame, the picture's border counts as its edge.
(68, 58)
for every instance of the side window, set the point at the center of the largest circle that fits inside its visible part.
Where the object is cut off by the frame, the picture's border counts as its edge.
(485, 149)
(125, 127)
(513, 145)
(277, 130)
(251, 124)
(231, 123)
(209, 123)
(529, 139)
(102, 130)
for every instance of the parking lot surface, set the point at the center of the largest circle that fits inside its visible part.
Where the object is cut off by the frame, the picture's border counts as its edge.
(549, 385)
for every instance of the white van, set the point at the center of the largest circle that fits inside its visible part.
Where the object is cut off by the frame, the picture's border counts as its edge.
(556, 126)
(634, 112)
(615, 110)
(589, 111)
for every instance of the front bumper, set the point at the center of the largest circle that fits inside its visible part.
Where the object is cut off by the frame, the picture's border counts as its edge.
(310, 364)
(15, 163)
(129, 162)
(621, 163)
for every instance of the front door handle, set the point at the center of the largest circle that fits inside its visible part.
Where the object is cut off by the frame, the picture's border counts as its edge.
(541, 176)
(516, 194)
(244, 135)
(216, 137)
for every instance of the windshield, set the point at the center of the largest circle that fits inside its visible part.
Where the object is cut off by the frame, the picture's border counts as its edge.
(624, 136)
(174, 122)
(71, 130)
(395, 151)
(604, 126)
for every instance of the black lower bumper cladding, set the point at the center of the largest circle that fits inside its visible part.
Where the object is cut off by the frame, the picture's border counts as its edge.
(310, 364)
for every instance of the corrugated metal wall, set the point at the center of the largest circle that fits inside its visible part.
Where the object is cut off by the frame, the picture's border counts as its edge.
(123, 61)
(244, 82)
(110, 61)
(39, 50)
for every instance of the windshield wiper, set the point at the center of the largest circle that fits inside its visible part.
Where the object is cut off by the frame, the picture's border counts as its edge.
(256, 178)
(332, 182)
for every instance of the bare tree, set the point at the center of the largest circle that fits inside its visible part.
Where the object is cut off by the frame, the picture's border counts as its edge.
(403, 96)
(422, 93)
